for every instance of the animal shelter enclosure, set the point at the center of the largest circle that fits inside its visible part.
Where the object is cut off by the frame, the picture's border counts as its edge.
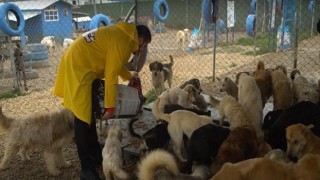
(207, 39)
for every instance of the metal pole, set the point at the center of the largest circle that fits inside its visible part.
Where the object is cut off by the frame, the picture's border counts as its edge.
(296, 44)
(312, 19)
(187, 13)
(136, 12)
(255, 32)
(94, 7)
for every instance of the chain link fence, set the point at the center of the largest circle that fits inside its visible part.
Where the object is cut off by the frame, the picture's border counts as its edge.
(284, 32)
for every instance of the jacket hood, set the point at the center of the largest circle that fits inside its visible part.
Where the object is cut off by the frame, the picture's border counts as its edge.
(131, 31)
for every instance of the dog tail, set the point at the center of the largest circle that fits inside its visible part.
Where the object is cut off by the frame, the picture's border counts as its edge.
(156, 160)
(5, 122)
(171, 60)
(294, 73)
(282, 68)
(157, 112)
(118, 172)
(260, 65)
(131, 130)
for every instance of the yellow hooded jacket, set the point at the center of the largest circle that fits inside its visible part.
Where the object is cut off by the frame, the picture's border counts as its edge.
(99, 53)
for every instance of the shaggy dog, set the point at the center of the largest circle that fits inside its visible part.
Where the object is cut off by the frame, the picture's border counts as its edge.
(307, 168)
(228, 86)
(112, 155)
(204, 144)
(160, 74)
(49, 131)
(303, 89)
(281, 89)
(184, 97)
(242, 143)
(180, 122)
(250, 98)
(199, 101)
(182, 37)
(301, 140)
(263, 80)
(276, 122)
(161, 165)
(229, 108)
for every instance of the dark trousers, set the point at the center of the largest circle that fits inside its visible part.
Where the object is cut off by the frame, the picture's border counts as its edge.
(88, 146)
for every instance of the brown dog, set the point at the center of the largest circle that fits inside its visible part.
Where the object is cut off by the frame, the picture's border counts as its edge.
(160, 74)
(263, 80)
(307, 168)
(281, 89)
(301, 140)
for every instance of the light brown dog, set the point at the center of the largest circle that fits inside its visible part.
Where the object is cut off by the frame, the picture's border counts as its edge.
(307, 168)
(250, 98)
(112, 155)
(184, 97)
(180, 122)
(229, 108)
(161, 165)
(301, 140)
(228, 86)
(281, 89)
(49, 131)
(161, 73)
(263, 80)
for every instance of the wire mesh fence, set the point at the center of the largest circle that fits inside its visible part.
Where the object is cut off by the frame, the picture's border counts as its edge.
(244, 32)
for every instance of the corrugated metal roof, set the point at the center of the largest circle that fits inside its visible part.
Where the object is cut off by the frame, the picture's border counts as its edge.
(26, 15)
(35, 4)
(82, 19)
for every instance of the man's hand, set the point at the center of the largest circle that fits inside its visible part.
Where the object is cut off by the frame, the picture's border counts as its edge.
(109, 113)
(134, 74)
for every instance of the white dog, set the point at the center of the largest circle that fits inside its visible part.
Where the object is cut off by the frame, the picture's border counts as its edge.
(49, 131)
(112, 156)
(182, 37)
(50, 42)
(180, 122)
(66, 43)
(250, 98)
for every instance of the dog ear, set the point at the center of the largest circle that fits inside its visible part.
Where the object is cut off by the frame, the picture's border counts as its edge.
(218, 79)
(160, 66)
(307, 129)
(151, 67)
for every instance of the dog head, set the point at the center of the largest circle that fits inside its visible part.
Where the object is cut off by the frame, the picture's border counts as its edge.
(296, 139)
(156, 67)
(114, 131)
(224, 84)
(192, 92)
(195, 82)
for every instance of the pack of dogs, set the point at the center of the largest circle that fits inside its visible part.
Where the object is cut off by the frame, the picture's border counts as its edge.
(187, 143)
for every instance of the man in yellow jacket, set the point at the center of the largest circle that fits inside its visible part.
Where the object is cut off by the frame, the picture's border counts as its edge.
(97, 54)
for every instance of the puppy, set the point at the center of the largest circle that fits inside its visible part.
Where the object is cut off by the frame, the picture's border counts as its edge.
(155, 138)
(180, 122)
(182, 37)
(301, 140)
(160, 74)
(199, 101)
(263, 80)
(161, 165)
(204, 144)
(49, 131)
(276, 122)
(112, 155)
(281, 88)
(229, 108)
(184, 97)
(250, 98)
(303, 89)
(265, 169)
(228, 86)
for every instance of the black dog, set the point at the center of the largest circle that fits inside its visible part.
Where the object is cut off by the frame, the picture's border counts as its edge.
(276, 122)
(204, 145)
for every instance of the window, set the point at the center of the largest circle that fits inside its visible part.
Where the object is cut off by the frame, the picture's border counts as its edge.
(51, 13)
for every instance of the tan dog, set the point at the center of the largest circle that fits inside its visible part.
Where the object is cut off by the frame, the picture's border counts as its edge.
(263, 80)
(161, 165)
(112, 155)
(281, 89)
(301, 140)
(49, 131)
(180, 122)
(228, 86)
(250, 98)
(160, 73)
(229, 108)
(307, 168)
(303, 89)
(184, 97)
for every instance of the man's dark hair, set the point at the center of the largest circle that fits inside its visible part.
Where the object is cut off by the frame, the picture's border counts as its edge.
(144, 32)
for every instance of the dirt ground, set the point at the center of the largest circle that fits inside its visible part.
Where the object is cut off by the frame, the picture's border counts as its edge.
(39, 97)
